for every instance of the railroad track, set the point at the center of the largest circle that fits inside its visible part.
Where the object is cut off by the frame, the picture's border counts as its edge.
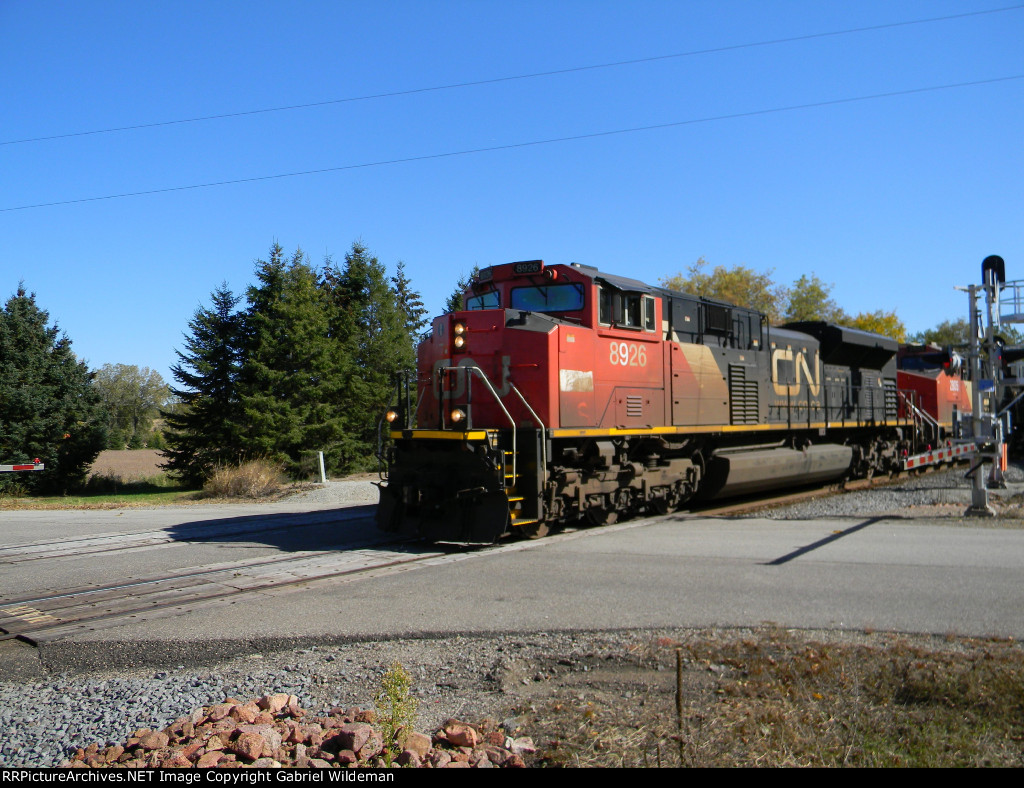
(50, 615)
(59, 613)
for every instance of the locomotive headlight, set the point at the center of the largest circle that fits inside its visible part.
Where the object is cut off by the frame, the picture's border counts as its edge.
(459, 342)
(391, 415)
(458, 415)
(459, 329)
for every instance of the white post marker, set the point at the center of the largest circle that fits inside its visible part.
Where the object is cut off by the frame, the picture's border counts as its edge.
(323, 474)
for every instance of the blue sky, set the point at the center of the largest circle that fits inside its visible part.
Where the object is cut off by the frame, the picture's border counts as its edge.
(894, 200)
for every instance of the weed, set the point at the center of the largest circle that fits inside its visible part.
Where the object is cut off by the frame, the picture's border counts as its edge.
(396, 707)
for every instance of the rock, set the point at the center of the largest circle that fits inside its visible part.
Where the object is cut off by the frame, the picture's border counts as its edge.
(418, 743)
(249, 745)
(374, 745)
(439, 759)
(219, 712)
(208, 760)
(154, 740)
(523, 746)
(274, 703)
(409, 759)
(461, 735)
(353, 735)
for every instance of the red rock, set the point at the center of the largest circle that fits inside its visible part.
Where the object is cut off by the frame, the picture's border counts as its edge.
(208, 760)
(514, 762)
(457, 765)
(154, 740)
(497, 755)
(368, 716)
(249, 745)
(220, 711)
(373, 746)
(418, 743)
(461, 735)
(319, 763)
(177, 761)
(410, 759)
(439, 759)
(345, 757)
(113, 753)
(495, 737)
(274, 703)
(353, 735)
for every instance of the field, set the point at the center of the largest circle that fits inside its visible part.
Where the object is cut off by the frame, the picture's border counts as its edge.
(128, 464)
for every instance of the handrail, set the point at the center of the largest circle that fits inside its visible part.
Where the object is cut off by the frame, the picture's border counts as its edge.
(497, 399)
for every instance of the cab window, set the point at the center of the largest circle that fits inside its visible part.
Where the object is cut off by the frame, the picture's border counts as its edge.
(548, 298)
(489, 300)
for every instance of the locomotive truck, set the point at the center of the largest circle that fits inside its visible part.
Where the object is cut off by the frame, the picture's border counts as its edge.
(563, 393)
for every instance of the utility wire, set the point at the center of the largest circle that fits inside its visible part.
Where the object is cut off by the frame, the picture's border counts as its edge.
(497, 80)
(532, 143)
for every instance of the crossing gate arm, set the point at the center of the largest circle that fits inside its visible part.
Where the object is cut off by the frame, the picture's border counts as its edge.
(945, 454)
(35, 465)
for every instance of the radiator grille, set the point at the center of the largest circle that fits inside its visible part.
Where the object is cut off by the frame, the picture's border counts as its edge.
(743, 405)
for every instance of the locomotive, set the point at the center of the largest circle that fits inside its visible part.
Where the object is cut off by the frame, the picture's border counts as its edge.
(562, 393)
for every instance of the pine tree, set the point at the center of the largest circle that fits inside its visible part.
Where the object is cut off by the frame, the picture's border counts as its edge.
(48, 407)
(373, 327)
(204, 425)
(291, 382)
(455, 301)
(413, 311)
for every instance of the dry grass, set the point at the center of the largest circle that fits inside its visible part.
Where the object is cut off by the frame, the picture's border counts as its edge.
(253, 479)
(778, 700)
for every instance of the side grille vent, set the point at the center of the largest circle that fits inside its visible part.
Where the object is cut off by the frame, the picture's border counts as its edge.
(634, 407)
(743, 405)
(891, 399)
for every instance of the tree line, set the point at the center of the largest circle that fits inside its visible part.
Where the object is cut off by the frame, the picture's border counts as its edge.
(307, 364)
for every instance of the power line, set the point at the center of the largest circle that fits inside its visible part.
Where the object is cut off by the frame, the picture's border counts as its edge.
(497, 80)
(532, 143)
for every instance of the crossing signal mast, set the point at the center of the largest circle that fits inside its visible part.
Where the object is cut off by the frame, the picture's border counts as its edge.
(995, 391)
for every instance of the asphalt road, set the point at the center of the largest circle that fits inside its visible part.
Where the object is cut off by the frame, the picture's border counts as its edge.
(685, 571)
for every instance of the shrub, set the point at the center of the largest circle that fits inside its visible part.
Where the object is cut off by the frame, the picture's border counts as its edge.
(253, 479)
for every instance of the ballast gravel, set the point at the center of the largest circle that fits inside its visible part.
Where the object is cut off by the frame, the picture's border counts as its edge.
(937, 495)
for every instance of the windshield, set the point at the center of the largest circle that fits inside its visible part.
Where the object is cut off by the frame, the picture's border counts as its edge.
(488, 300)
(548, 298)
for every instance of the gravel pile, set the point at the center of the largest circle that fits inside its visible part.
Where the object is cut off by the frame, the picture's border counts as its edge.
(45, 720)
(274, 731)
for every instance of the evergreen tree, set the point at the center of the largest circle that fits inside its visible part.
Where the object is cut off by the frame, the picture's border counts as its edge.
(455, 301)
(291, 384)
(48, 407)
(203, 425)
(371, 321)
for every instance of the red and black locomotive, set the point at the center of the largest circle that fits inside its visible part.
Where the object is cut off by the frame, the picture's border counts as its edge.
(561, 393)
